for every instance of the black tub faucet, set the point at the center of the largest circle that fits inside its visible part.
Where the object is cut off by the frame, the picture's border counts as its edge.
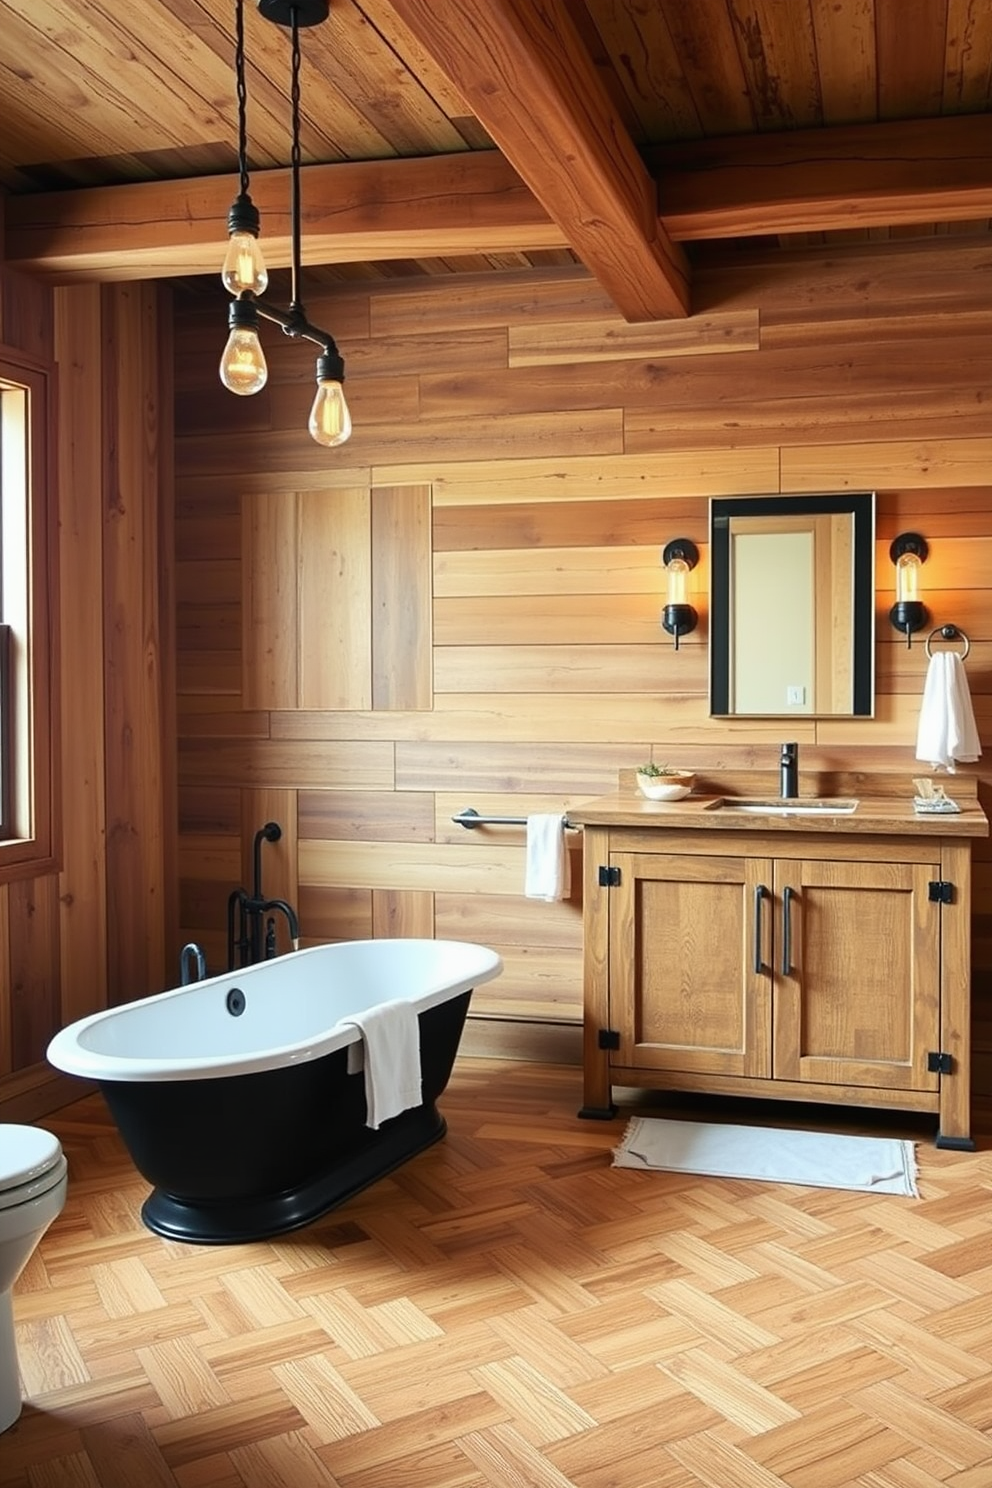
(789, 772)
(250, 936)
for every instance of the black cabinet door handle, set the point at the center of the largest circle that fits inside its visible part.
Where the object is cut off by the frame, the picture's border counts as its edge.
(759, 894)
(787, 896)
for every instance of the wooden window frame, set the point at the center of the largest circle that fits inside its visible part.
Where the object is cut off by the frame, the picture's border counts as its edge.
(29, 733)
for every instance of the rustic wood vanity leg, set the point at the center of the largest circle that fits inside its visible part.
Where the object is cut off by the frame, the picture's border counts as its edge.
(597, 1104)
(955, 1002)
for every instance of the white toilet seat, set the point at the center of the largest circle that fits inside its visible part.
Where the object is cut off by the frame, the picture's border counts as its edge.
(31, 1163)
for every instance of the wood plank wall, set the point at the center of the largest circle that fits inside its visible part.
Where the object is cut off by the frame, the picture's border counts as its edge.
(460, 607)
(95, 932)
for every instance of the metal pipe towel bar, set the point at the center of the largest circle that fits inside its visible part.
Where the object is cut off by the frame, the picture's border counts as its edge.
(470, 818)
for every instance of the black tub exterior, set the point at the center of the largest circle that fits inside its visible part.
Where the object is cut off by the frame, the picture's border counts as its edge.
(246, 1157)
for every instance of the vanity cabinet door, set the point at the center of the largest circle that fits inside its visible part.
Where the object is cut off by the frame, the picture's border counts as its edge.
(690, 983)
(857, 973)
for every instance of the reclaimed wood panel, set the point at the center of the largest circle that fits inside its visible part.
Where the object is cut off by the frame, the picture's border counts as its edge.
(270, 657)
(873, 415)
(26, 315)
(333, 620)
(134, 568)
(509, 920)
(34, 961)
(927, 374)
(266, 480)
(488, 301)
(407, 913)
(376, 816)
(82, 882)
(212, 810)
(541, 983)
(703, 472)
(883, 463)
(507, 768)
(611, 522)
(401, 598)
(284, 452)
(615, 339)
(562, 620)
(542, 571)
(212, 580)
(6, 996)
(267, 763)
(328, 914)
(419, 866)
(590, 668)
(214, 857)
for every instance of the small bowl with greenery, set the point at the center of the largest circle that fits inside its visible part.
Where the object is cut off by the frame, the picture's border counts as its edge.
(664, 782)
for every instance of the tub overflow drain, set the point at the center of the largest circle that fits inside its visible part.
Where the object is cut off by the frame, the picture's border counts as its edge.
(235, 1002)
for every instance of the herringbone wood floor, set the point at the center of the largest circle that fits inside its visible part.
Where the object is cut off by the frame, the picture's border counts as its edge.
(508, 1309)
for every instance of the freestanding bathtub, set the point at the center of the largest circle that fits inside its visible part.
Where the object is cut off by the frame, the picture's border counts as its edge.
(232, 1094)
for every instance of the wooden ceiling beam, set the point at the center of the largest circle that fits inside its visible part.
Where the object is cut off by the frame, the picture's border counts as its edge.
(824, 180)
(384, 209)
(522, 67)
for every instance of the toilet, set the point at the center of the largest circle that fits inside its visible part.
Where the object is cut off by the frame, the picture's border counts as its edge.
(32, 1192)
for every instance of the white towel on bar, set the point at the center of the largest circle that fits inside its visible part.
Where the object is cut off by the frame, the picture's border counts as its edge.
(548, 871)
(389, 1053)
(947, 734)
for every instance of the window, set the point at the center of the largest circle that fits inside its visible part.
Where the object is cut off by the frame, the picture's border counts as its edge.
(26, 717)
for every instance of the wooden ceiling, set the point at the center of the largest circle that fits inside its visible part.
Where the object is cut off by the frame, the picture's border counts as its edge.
(633, 136)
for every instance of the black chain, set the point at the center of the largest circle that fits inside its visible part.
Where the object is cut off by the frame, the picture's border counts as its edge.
(239, 66)
(296, 304)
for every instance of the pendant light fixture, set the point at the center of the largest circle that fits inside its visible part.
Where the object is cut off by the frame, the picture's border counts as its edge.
(244, 275)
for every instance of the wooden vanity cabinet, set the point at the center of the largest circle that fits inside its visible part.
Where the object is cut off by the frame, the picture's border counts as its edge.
(785, 964)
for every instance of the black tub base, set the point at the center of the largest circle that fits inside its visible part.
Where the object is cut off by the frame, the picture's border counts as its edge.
(245, 1157)
(237, 1222)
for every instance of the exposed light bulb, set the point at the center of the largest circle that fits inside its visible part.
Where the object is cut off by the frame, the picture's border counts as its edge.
(244, 268)
(907, 578)
(677, 572)
(242, 366)
(330, 421)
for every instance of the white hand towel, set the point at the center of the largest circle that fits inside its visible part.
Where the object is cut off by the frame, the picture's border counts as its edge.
(389, 1053)
(548, 870)
(947, 734)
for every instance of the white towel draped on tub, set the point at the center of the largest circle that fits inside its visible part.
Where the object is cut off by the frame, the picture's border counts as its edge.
(389, 1053)
(548, 871)
(947, 733)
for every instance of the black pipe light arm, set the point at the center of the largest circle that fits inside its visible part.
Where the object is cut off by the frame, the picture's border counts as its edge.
(243, 369)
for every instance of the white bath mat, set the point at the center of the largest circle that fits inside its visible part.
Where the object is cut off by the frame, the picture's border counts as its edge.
(815, 1159)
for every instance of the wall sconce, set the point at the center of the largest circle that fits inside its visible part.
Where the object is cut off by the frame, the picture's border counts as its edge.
(680, 558)
(244, 275)
(908, 552)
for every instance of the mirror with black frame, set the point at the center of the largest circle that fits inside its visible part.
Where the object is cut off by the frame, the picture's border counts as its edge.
(792, 606)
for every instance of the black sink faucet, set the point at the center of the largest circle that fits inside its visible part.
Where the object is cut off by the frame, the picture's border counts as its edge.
(789, 771)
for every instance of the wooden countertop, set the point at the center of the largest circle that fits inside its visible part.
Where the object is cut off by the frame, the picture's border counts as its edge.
(890, 815)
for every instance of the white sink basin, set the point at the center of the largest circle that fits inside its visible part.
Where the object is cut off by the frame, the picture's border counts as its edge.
(800, 806)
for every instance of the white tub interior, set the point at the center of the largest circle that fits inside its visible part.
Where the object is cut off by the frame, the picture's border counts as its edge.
(292, 1008)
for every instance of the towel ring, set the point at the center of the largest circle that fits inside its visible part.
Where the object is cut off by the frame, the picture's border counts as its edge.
(948, 633)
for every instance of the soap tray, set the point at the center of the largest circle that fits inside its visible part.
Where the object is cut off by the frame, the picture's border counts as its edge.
(938, 806)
